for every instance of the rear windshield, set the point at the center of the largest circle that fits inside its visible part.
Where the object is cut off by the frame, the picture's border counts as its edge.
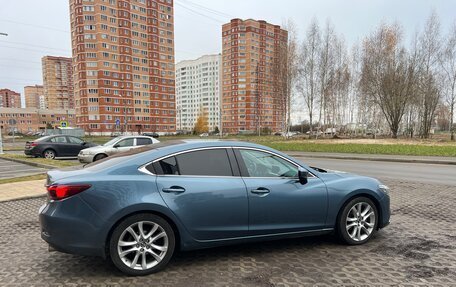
(42, 139)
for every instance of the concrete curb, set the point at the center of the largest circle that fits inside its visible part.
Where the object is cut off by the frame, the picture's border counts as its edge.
(369, 158)
(29, 163)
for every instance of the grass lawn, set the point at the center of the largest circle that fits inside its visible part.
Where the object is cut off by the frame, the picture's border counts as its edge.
(391, 149)
(56, 162)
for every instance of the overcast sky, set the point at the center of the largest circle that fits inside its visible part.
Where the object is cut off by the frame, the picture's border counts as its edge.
(41, 27)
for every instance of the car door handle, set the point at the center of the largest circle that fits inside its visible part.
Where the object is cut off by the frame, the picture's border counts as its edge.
(260, 190)
(174, 189)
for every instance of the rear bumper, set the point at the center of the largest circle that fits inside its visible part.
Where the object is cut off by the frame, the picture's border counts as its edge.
(31, 152)
(71, 226)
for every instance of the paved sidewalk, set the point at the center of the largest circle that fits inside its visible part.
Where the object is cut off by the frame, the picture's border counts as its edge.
(377, 157)
(23, 189)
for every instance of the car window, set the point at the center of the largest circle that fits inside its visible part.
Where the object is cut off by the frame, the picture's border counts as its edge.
(166, 166)
(197, 163)
(126, 142)
(58, 140)
(263, 164)
(143, 141)
(213, 162)
(74, 140)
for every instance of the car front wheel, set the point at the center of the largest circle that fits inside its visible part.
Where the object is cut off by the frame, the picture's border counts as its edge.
(358, 221)
(142, 244)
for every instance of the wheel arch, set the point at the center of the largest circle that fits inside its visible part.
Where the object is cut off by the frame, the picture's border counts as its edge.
(48, 148)
(173, 225)
(100, 153)
(361, 193)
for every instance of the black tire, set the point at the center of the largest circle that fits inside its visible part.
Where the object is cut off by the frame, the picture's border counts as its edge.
(99, 156)
(342, 223)
(123, 226)
(49, 154)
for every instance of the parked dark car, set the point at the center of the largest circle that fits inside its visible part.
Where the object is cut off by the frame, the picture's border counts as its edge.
(51, 147)
(137, 207)
(154, 135)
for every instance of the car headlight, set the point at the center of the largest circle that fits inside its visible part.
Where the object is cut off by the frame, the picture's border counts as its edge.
(384, 188)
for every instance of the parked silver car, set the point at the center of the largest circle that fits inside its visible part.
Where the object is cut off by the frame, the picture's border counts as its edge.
(116, 145)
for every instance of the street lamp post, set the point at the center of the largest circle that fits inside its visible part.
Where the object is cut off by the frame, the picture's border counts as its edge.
(1, 141)
(3, 34)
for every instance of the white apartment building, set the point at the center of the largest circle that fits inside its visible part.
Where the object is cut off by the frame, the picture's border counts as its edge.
(198, 90)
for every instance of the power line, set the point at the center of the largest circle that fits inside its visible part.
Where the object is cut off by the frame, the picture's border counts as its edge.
(38, 46)
(19, 60)
(25, 49)
(198, 13)
(35, 26)
(210, 10)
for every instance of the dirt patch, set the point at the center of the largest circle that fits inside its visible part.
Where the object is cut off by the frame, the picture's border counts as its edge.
(422, 271)
(412, 248)
(260, 279)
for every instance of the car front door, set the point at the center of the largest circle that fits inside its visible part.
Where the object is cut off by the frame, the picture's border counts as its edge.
(75, 145)
(204, 190)
(60, 145)
(278, 203)
(122, 145)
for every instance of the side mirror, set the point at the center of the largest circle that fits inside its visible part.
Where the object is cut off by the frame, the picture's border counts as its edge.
(303, 175)
(83, 143)
(116, 146)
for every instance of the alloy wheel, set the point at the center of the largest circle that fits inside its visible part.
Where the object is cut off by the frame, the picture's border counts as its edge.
(360, 221)
(143, 245)
(49, 154)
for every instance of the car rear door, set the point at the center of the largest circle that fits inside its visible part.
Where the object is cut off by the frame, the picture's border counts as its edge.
(60, 145)
(278, 203)
(204, 190)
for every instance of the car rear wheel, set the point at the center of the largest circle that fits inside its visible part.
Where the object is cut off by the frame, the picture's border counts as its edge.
(49, 154)
(358, 221)
(99, 156)
(142, 244)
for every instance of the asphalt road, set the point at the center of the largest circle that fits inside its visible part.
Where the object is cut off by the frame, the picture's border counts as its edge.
(9, 169)
(413, 172)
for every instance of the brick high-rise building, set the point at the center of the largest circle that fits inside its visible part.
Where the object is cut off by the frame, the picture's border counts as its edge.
(123, 56)
(58, 82)
(198, 88)
(9, 99)
(251, 97)
(34, 96)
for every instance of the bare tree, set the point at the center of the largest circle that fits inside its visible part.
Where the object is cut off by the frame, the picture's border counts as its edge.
(429, 77)
(448, 64)
(308, 69)
(388, 74)
(325, 68)
(286, 70)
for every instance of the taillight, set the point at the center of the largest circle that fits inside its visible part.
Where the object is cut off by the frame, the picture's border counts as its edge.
(61, 191)
(33, 144)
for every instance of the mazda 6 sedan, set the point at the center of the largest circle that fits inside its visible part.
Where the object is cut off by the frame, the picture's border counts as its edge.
(137, 208)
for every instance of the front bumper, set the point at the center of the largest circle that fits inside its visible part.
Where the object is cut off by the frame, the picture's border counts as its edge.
(385, 212)
(71, 226)
(85, 158)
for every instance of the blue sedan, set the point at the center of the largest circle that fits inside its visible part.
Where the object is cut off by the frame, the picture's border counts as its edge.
(139, 207)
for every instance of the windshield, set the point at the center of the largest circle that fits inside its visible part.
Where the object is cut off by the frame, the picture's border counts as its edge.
(111, 142)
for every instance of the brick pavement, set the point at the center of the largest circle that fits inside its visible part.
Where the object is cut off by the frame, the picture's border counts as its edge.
(418, 248)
